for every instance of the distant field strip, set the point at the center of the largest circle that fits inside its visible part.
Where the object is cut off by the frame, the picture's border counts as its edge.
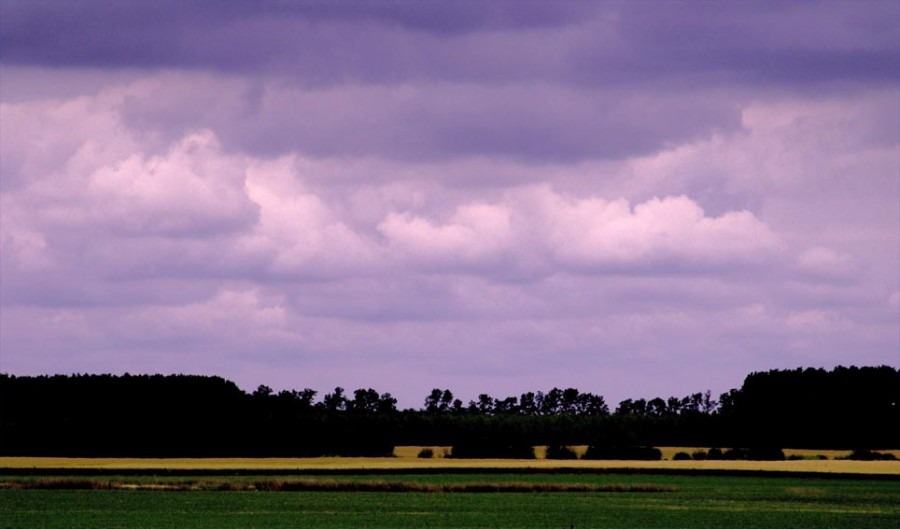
(20, 464)
(318, 485)
(668, 452)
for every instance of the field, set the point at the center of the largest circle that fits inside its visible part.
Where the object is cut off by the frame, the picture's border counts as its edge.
(406, 459)
(621, 501)
(407, 492)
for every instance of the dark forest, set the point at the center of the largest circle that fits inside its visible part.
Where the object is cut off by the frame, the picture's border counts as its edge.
(202, 416)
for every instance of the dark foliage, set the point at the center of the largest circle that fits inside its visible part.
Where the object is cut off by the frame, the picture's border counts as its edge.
(181, 415)
(644, 453)
(490, 448)
(681, 456)
(871, 455)
(560, 452)
(814, 408)
(714, 454)
(178, 416)
(754, 454)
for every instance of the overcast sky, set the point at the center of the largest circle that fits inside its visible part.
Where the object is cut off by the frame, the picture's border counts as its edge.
(636, 199)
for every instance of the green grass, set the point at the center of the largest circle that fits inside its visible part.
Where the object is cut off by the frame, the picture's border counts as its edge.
(682, 501)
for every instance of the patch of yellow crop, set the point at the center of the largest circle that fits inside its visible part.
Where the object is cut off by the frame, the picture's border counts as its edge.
(349, 463)
(668, 452)
(443, 451)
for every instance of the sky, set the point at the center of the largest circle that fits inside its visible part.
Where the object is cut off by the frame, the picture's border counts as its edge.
(635, 199)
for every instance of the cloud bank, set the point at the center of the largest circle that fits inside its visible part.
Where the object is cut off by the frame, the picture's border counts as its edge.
(628, 198)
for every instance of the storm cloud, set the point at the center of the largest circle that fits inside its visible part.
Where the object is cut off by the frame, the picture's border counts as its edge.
(636, 199)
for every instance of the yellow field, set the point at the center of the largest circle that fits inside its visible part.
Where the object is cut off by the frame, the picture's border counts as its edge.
(406, 459)
(668, 452)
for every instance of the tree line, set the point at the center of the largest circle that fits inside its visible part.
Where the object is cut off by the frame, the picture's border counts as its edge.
(203, 416)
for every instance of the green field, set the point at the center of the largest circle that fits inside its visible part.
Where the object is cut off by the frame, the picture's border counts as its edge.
(620, 500)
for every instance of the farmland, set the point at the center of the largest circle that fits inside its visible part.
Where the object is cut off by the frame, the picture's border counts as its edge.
(808, 461)
(189, 451)
(407, 492)
(681, 501)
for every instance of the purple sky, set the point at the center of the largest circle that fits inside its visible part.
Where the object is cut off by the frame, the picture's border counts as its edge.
(636, 199)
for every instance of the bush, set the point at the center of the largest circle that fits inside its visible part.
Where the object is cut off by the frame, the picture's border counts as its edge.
(865, 454)
(817, 457)
(426, 453)
(715, 454)
(699, 455)
(764, 454)
(491, 450)
(681, 456)
(560, 452)
(754, 454)
(642, 453)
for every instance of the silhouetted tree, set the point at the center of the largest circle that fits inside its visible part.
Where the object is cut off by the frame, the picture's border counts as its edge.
(335, 401)
(183, 415)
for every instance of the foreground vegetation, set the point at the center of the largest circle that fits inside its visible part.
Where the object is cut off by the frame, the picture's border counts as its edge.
(496, 500)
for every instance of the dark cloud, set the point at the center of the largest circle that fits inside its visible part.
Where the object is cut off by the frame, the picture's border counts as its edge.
(543, 123)
(316, 40)
(328, 42)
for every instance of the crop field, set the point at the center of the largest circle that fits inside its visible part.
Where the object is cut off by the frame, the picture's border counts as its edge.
(406, 460)
(370, 500)
(406, 491)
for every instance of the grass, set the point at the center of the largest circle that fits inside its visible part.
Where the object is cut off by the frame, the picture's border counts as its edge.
(321, 485)
(405, 492)
(438, 500)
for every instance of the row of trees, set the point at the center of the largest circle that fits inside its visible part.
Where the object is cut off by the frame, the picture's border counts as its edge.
(554, 402)
(364, 401)
(93, 415)
(557, 401)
